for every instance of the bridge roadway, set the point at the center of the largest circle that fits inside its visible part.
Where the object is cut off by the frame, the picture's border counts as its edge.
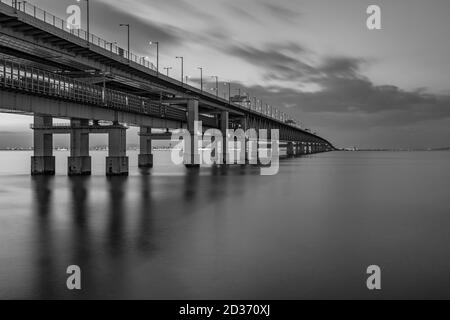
(50, 71)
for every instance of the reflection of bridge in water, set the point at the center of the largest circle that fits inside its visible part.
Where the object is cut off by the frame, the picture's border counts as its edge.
(49, 71)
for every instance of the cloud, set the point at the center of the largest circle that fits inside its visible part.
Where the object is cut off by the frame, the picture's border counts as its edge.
(343, 89)
(280, 12)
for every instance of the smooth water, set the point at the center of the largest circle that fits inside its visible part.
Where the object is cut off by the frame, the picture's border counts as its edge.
(309, 232)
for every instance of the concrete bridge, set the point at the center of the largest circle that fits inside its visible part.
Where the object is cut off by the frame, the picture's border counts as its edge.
(50, 71)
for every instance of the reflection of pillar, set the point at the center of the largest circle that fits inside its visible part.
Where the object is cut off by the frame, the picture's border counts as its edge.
(290, 149)
(224, 120)
(79, 162)
(145, 141)
(117, 160)
(43, 161)
(192, 157)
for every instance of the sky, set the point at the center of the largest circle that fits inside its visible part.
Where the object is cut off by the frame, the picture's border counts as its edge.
(314, 59)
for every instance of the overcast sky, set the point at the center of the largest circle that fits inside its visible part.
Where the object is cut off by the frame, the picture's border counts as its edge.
(315, 58)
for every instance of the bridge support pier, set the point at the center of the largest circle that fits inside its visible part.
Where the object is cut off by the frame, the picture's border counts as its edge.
(224, 121)
(192, 156)
(298, 148)
(43, 161)
(79, 162)
(117, 160)
(290, 149)
(145, 141)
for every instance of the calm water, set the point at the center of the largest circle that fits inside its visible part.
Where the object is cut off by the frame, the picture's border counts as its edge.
(309, 232)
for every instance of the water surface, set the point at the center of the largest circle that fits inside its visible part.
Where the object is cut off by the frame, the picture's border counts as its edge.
(308, 232)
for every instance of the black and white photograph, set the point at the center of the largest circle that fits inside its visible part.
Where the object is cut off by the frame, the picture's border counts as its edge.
(224, 155)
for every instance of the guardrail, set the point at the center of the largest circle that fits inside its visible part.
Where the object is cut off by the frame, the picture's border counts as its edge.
(62, 24)
(29, 79)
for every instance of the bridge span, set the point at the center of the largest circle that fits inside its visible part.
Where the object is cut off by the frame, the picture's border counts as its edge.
(51, 71)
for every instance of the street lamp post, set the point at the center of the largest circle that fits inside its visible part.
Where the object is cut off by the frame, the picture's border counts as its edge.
(182, 68)
(229, 91)
(167, 69)
(88, 19)
(201, 78)
(217, 85)
(157, 55)
(128, 27)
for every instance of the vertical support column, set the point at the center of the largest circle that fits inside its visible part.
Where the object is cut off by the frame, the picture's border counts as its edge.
(145, 142)
(243, 126)
(224, 121)
(252, 142)
(43, 161)
(290, 149)
(192, 157)
(79, 162)
(117, 160)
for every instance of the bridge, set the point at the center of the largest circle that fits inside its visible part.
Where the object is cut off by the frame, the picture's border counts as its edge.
(49, 70)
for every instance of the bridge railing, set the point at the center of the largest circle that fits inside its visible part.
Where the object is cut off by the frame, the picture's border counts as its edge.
(32, 80)
(38, 13)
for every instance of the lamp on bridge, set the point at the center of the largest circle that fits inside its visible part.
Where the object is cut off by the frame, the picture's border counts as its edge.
(182, 68)
(229, 90)
(217, 85)
(201, 78)
(88, 19)
(128, 27)
(157, 55)
(167, 69)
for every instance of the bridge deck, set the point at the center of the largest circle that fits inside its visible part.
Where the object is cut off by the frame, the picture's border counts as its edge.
(14, 76)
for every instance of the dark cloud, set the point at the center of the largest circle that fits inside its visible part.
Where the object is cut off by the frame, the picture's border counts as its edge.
(343, 88)
(280, 12)
(279, 61)
(143, 30)
(242, 13)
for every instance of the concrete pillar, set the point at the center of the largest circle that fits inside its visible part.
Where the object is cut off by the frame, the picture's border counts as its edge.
(43, 161)
(224, 121)
(117, 160)
(297, 149)
(243, 126)
(192, 156)
(79, 162)
(145, 142)
(290, 149)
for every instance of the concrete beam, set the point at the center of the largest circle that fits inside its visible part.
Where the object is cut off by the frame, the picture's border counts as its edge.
(15, 101)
